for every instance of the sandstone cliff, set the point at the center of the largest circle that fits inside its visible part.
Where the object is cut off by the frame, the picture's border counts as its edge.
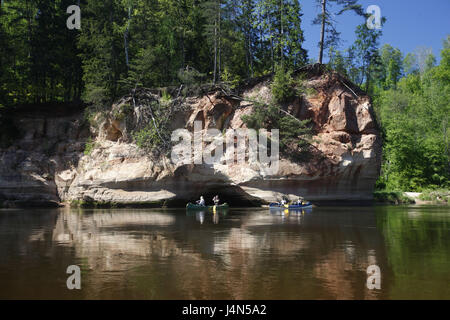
(47, 164)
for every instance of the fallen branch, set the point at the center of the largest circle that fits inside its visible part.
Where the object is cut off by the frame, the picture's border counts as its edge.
(349, 88)
(253, 102)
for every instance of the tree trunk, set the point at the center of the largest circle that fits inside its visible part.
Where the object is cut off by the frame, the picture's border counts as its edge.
(215, 51)
(322, 31)
(271, 53)
(250, 56)
(219, 37)
(281, 32)
(125, 37)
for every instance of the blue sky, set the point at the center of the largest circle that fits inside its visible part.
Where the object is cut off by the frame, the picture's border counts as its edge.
(410, 24)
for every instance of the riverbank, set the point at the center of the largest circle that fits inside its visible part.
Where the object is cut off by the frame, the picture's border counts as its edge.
(440, 197)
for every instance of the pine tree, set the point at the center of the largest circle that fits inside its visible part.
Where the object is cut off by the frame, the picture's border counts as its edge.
(366, 49)
(103, 55)
(391, 66)
(329, 36)
(41, 62)
(280, 23)
(337, 61)
(213, 16)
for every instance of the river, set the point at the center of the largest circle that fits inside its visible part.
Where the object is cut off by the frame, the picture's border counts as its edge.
(322, 253)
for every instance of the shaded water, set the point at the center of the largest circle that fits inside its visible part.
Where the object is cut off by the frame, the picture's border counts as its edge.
(243, 254)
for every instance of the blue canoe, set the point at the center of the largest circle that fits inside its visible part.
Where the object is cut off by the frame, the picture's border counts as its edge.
(277, 206)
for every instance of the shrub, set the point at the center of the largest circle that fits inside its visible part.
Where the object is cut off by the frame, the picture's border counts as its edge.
(147, 138)
(392, 197)
(151, 139)
(294, 133)
(123, 111)
(302, 89)
(166, 98)
(228, 78)
(190, 76)
(89, 146)
(439, 196)
(282, 85)
(94, 115)
(99, 96)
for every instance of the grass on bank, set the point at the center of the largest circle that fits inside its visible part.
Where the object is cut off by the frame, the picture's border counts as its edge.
(441, 196)
(392, 197)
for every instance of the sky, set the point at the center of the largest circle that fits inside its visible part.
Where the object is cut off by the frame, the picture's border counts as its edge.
(410, 24)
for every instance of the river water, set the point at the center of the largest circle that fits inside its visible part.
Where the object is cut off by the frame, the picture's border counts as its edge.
(322, 253)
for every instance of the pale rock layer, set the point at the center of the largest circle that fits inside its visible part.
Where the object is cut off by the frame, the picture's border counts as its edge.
(47, 165)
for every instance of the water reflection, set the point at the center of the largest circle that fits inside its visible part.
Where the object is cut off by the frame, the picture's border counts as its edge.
(253, 252)
(418, 247)
(239, 254)
(107, 237)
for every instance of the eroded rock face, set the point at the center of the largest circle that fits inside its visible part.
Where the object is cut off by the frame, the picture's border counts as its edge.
(344, 164)
(48, 145)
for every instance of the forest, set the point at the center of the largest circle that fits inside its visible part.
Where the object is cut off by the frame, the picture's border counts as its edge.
(125, 44)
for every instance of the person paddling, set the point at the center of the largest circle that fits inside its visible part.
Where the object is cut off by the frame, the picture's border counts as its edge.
(216, 199)
(201, 202)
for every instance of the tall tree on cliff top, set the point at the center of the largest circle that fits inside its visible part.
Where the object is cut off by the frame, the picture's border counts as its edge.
(280, 25)
(297, 55)
(329, 36)
(213, 15)
(366, 48)
(101, 41)
(39, 60)
(240, 19)
(6, 65)
(16, 19)
(391, 66)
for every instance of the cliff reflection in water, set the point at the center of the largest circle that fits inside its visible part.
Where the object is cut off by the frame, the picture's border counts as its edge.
(240, 254)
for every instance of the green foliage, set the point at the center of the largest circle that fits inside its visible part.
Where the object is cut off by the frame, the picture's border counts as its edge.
(98, 96)
(283, 85)
(367, 55)
(94, 115)
(123, 111)
(294, 133)
(228, 78)
(337, 61)
(414, 117)
(165, 98)
(436, 196)
(89, 146)
(101, 44)
(147, 138)
(410, 233)
(190, 76)
(325, 18)
(39, 59)
(155, 135)
(391, 66)
(279, 26)
(392, 197)
(300, 87)
(123, 45)
(410, 98)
